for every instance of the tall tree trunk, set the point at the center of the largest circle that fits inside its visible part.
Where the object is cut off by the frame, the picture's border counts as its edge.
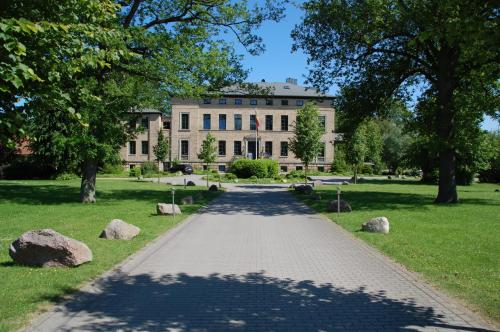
(447, 161)
(305, 172)
(87, 188)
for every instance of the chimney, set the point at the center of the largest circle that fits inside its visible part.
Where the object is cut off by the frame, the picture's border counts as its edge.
(291, 80)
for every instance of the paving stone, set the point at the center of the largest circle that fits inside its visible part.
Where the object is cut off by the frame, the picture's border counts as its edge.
(257, 260)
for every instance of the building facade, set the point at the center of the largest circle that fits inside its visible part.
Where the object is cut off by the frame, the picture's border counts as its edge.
(244, 126)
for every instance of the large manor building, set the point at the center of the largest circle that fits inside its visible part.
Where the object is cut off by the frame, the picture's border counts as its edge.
(252, 126)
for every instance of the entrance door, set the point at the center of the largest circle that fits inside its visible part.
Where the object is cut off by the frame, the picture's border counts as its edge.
(252, 152)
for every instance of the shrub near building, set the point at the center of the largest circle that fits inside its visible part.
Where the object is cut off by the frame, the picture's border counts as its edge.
(260, 168)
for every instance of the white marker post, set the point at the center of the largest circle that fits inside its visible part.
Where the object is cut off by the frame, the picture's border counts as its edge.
(173, 202)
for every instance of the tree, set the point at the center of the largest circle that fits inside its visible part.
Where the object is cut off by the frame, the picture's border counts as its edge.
(306, 141)
(138, 56)
(394, 145)
(208, 152)
(376, 49)
(357, 150)
(161, 150)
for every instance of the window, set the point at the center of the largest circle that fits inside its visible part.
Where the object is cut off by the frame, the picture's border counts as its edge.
(222, 168)
(145, 123)
(222, 101)
(237, 122)
(207, 101)
(284, 122)
(132, 124)
(269, 102)
(166, 124)
(321, 153)
(299, 102)
(222, 121)
(298, 168)
(184, 149)
(206, 121)
(237, 102)
(322, 122)
(253, 123)
(268, 149)
(237, 148)
(222, 148)
(253, 101)
(185, 121)
(145, 147)
(131, 147)
(284, 102)
(321, 168)
(269, 122)
(284, 149)
(284, 168)
(131, 166)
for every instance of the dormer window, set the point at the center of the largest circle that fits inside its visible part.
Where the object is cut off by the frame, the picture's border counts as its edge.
(287, 87)
(207, 101)
(222, 101)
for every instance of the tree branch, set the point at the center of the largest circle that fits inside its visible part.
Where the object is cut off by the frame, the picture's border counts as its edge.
(131, 13)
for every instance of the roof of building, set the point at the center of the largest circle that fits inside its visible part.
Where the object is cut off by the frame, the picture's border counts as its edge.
(279, 89)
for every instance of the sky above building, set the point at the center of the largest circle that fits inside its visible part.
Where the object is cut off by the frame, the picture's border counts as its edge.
(278, 62)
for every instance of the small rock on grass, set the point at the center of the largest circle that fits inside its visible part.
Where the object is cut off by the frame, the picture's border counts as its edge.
(167, 209)
(376, 225)
(119, 230)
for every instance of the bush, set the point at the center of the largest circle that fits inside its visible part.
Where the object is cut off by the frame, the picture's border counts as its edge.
(66, 176)
(230, 176)
(135, 172)
(149, 167)
(22, 168)
(112, 169)
(296, 175)
(260, 168)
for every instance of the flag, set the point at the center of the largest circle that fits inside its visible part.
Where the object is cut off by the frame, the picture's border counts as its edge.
(257, 124)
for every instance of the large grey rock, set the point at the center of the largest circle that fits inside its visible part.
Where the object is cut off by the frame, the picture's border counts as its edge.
(304, 189)
(345, 183)
(48, 248)
(187, 200)
(120, 230)
(376, 225)
(344, 206)
(166, 208)
(190, 183)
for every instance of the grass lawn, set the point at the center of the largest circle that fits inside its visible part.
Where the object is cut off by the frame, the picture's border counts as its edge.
(27, 205)
(456, 247)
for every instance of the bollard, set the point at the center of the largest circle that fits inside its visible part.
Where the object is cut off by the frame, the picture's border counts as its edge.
(173, 202)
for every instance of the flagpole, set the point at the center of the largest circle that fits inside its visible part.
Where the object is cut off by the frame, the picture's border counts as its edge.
(256, 135)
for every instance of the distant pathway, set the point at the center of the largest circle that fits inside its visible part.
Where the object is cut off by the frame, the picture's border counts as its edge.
(257, 260)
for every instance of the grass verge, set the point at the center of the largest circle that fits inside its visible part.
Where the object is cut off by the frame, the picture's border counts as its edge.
(455, 246)
(27, 205)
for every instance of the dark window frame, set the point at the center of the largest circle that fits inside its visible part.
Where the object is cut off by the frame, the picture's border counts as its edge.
(221, 143)
(284, 147)
(222, 120)
(132, 151)
(184, 156)
(238, 101)
(182, 121)
(240, 118)
(207, 101)
(205, 117)
(269, 102)
(253, 122)
(299, 102)
(222, 101)
(237, 152)
(268, 148)
(145, 147)
(253, 102)
(269, 125)
(284, 102)
(284, 126)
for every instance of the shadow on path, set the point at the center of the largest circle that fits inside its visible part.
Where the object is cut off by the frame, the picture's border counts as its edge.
(240, 303)
(260, 202)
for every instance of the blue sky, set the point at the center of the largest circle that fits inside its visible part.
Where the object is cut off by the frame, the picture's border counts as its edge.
(278, 62)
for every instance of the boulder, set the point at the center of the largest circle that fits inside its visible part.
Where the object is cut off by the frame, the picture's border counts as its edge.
(213, 188)
(345, 183)
(344, 206)
(190, 183)
(376, 225)
(304, 189)
(48, 248)
(167, 208)
(317, 183)
(389, 177)
(119, 230)
(187, 200)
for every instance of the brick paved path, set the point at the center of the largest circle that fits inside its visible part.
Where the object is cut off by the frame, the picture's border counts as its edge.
(256, 260)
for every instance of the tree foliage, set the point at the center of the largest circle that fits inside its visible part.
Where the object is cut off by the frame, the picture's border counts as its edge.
(101, 62)
(378, 49)
(307, 130)
(208, 151)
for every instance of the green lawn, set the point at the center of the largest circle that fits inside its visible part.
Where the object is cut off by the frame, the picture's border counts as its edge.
(454, 246)
(27, 205)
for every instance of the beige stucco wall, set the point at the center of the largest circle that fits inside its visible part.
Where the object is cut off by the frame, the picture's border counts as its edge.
(196, 134)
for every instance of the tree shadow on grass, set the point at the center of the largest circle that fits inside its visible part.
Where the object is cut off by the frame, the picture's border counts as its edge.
(376, 200)
(53, 194)
(250, 302)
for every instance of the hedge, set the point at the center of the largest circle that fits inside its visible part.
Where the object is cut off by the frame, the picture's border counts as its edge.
(260, 168)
